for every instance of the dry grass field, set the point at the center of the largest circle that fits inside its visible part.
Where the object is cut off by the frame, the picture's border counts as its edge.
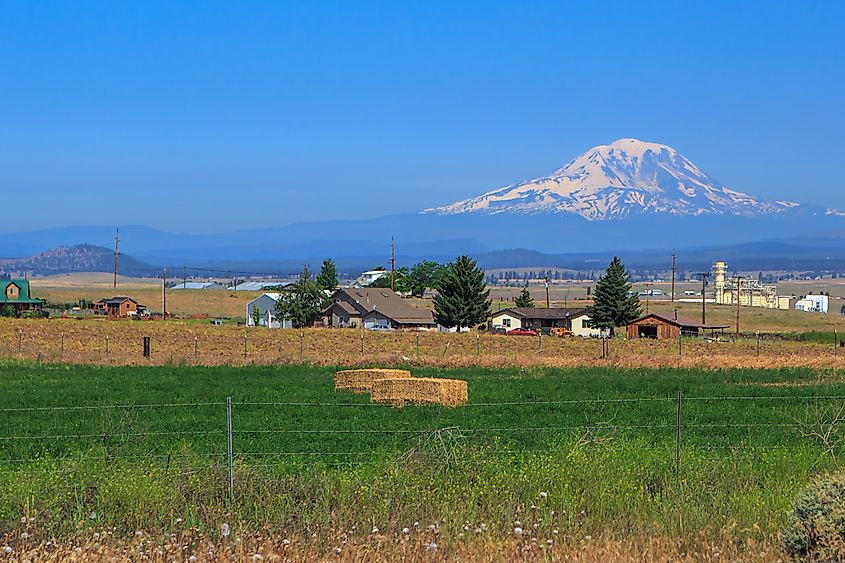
(70, 288)
(418, 544)
(119, 342)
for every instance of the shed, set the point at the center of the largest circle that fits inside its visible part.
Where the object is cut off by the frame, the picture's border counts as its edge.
(663, 326)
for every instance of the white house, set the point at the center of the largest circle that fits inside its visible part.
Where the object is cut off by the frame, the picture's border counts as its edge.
(813, 304)
(266, 305)
(369, 278)
(539, 318)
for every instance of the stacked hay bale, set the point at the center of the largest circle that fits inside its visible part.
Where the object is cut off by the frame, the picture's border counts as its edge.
(362, 380)
(422, 390)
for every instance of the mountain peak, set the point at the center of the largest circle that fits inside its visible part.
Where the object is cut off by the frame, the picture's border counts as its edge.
(625, 177)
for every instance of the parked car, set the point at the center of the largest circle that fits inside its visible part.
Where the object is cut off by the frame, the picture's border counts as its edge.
(522, 332)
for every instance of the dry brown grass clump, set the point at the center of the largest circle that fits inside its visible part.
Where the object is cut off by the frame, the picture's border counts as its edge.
(420, 390)
(362, 380)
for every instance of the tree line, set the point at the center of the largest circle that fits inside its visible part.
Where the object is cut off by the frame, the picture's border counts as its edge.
(462, 298)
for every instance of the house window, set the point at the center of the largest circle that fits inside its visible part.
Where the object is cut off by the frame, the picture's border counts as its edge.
(506, 322)
(12, 291)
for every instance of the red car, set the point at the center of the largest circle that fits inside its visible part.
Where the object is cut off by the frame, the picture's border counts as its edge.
(522, 332)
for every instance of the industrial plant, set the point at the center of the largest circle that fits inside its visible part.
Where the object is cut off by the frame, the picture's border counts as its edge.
(747, 292)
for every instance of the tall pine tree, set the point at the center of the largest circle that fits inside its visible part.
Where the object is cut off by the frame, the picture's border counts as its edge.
(327, 278)
(613, 303)
(462, 298)
(524, 299)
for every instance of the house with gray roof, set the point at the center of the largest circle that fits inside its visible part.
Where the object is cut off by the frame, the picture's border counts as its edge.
(375, 308)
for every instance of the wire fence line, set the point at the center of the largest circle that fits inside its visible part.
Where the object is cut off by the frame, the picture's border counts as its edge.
(254, 440)
(121, 342)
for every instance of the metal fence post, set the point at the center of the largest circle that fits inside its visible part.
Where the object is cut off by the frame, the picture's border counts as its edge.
(539, 340)
(301, 346)
(418, 344)
(146, 346)
(20, 340)
(244, 347)
(107, 344)
(229, 464)
(62, 353)
(196, 346)
(680, 344)
(362, 343)
(478, 344)
(835, 343)
(679, 401)
(758, 343)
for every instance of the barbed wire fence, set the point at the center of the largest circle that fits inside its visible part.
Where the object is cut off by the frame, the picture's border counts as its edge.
(131, 343)
(242, 435)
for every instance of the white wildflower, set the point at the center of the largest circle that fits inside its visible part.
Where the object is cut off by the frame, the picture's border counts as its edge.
(179, 520)
(483, 527)
(224, 530)
(431, 547)
(93, 515)
(258, 557)
(432, 527)
(416, 524)
(518, 531)
(23, 519)
(192, 559)
(96, 536)
(588, 538)
(337, 550)
(517, 523)
(405, 530)
(554, 531)
(139, 533)
(24, 536)
(285, 541)
(7, 550)
(544, 494)
(374, 530)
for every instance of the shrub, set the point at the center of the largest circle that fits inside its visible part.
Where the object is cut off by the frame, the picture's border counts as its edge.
(816, 526)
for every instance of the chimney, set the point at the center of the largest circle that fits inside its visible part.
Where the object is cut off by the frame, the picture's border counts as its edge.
(676, 314)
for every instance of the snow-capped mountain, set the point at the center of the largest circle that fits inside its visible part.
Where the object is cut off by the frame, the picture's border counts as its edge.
(625, 178)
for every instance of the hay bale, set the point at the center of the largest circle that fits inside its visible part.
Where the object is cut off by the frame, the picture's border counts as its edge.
(361, 380)
(421, 390)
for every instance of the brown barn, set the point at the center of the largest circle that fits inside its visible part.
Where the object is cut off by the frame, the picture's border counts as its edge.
(119, 307)
(665, 326)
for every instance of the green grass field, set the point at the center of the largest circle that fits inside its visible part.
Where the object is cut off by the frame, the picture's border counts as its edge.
(140, 447)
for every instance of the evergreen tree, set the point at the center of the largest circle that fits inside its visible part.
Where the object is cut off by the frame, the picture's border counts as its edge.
(524, 299)
(303, 302)
(613, 303)
(462, 298)
(256, 315)
(327, 278)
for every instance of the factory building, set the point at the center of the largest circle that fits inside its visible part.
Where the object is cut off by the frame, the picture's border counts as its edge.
(749, 292)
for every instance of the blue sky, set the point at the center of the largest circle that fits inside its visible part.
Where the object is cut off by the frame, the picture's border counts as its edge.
(207, 117)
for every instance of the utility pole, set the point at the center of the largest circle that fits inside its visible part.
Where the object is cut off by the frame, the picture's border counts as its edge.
(673, 275)
(164, 294)
(548, 305)
(116, 253)
(738, 282)
(392, 264)
(704, 276)
(184, 277)
(647, 296)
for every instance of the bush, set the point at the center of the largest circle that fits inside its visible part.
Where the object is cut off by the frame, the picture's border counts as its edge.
(816, 527)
